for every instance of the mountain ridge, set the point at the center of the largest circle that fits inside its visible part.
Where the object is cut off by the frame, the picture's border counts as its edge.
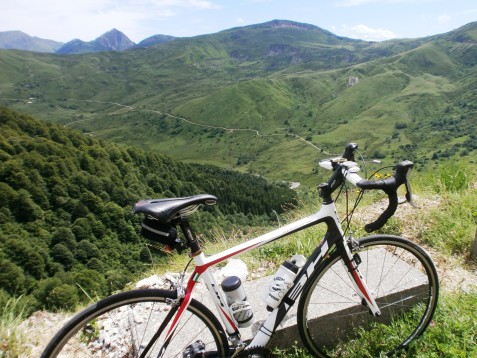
(113, 40)
(239, 98)
(78, 46)
(283, 23)
(19, 40)
(153, 40)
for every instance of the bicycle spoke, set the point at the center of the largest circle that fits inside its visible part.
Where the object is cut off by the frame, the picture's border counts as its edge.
(137, 323)
(401, 279)
(401, 301)
(347, 298)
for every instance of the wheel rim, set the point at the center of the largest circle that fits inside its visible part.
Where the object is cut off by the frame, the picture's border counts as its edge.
(125, 328)
(404, 286)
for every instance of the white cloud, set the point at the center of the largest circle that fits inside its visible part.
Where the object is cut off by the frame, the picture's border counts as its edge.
(364, 32)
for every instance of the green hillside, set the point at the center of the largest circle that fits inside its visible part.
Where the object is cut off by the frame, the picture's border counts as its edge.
(65, 202)
(243, 97)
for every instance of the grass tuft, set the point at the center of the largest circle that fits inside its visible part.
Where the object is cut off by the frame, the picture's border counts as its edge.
(12, 340)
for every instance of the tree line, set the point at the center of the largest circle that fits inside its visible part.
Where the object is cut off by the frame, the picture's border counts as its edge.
(66, 231)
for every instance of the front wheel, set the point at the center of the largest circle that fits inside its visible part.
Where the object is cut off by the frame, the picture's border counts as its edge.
(123, 325)
(334, 322)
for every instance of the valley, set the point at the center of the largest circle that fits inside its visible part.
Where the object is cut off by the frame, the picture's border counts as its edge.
(66, 208)
(84, 136)
(244, 98)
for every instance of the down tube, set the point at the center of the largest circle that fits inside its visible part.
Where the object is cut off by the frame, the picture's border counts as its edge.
(333, 235)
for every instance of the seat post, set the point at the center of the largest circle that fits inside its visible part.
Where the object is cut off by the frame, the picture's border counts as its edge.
(192, 242)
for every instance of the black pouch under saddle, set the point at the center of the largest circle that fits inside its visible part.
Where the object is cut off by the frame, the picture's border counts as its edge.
(165, 234)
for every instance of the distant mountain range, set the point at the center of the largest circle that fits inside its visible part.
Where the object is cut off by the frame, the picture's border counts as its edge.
(113, 40)
(244, 98)
(21, 41)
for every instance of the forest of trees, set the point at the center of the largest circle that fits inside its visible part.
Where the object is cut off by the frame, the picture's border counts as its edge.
(66, 229)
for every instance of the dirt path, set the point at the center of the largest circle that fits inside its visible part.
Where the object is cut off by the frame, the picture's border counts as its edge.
(225, 129)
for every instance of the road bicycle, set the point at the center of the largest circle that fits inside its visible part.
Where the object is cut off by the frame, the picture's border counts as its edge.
(348, 289)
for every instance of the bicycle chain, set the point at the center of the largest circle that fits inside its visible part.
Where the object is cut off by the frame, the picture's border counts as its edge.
(256, 352)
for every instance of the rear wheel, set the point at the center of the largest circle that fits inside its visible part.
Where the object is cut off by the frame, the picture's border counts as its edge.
(332, 319)
(125, 324)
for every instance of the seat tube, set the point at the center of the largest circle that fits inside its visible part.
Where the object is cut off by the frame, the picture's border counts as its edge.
(216, 293)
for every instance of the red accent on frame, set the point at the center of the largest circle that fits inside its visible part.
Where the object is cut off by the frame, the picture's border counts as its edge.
(227, 315)
(190, 285)
(359, 283)
(200, 269)
(184, 305)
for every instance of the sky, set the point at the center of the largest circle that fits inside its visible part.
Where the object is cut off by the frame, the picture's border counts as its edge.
(373, 20)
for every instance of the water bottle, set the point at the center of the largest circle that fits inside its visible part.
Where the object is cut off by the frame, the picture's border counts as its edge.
(239, 307)
(282, 281)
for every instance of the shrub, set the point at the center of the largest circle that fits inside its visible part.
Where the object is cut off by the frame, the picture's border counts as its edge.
(452, 177)
(63, 297)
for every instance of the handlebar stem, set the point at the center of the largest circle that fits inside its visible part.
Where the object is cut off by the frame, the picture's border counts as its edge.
(325, 193)
(345, 168)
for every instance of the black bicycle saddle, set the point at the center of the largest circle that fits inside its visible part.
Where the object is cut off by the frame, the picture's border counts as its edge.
(164, 210)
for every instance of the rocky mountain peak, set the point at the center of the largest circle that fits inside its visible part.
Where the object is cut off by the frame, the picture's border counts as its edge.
(114, 40)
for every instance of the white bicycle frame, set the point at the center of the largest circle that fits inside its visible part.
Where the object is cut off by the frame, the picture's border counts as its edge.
(327, 214)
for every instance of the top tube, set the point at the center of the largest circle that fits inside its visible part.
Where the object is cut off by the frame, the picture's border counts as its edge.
(327, 213)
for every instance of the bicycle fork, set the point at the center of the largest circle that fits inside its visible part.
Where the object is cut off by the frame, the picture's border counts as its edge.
(351, 262)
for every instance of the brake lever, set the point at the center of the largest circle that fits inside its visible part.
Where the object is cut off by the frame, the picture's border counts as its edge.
(409, 196)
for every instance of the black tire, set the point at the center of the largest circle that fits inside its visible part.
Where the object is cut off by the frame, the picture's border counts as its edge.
(332, 320)
(122, 325)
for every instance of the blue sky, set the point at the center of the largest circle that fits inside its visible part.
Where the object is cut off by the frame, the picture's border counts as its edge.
(377, 20)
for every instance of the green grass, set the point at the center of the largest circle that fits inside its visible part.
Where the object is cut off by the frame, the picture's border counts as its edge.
(453, 225)
(12, 339)
(452, 332)
(231, 80)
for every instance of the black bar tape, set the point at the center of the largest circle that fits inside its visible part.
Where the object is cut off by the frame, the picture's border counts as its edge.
(389, 186)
